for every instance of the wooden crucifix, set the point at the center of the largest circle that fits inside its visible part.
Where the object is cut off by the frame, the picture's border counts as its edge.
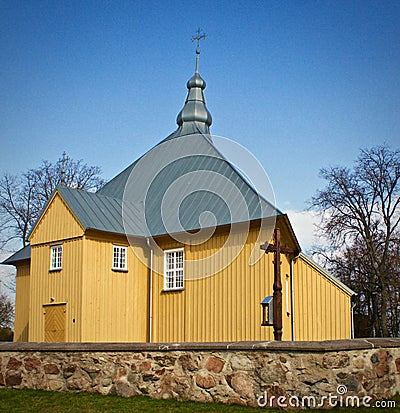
(277, 249)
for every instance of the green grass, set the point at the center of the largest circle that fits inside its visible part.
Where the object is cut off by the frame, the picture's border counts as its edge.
(39, 401)
(15, 401)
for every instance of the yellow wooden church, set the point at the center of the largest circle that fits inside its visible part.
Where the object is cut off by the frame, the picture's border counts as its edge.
(169, 250)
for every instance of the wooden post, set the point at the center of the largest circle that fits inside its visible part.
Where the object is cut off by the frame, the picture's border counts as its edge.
(277, 249)
(277, 305)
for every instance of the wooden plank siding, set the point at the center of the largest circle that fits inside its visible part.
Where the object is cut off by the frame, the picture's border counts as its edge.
(56, 223)
(222, 307)
(56, 287)
(22, 302)
(115, 303)
(218, 303)
(322, 309)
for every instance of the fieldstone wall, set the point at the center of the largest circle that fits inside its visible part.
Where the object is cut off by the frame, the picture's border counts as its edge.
(234, 373)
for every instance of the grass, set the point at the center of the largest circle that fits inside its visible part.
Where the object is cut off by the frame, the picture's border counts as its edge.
(38, 401)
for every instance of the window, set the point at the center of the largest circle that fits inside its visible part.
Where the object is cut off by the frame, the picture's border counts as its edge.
(56, 257)
(287, 288)
(120, 258)
(173, 269)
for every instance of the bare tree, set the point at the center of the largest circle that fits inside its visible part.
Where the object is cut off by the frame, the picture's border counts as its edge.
(352, 265)
(23, 197)
(6, 318)
(18, 206)
(6, 312)
(68, 172)
(360, 219)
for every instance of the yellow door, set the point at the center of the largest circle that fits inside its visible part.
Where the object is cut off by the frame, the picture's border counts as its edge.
(54, 322)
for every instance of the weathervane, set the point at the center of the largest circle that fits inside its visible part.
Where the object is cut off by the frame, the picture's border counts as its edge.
(199, 36)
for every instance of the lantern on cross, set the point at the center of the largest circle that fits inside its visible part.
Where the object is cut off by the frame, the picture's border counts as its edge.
(277, 249)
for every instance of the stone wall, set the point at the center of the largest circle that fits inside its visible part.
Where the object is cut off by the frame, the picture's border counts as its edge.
(239, 373)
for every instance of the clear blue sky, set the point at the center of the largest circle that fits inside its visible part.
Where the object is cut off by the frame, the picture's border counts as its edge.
(301, 84)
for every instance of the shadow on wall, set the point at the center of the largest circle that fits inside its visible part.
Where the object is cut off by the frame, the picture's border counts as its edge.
(6, 334)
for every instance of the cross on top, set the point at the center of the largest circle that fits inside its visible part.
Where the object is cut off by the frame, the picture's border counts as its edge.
(199, 36)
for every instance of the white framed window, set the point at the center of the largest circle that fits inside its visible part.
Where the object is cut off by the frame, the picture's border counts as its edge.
(56, 257)
(120, 258)
(173, 269)
(287, 288)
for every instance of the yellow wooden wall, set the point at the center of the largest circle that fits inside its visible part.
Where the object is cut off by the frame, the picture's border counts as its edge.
(106, 305)
(55, 287)
(22, 299)
(223, 307)
(56, 226)
(322, 309)
(115, 304)
(56, 223)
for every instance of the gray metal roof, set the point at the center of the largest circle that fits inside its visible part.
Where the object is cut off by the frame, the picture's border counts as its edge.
(185, 179)
(181, 178)
(197, 179)
(102, 213)
(115, 187)
(169, 189)
(194, 118)
(21, 255)
(181, 184)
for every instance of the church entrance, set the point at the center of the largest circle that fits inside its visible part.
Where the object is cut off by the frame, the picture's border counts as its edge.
(55, 322)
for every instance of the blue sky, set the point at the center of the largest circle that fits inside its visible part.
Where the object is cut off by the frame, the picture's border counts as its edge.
(301, 84)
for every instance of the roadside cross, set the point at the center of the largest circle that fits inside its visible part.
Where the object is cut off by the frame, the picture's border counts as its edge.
(277, 249)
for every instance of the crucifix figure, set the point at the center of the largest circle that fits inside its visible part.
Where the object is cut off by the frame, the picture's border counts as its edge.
(197, 39)
(277, 249)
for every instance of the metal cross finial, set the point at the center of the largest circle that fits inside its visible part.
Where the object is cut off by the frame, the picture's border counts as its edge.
(63, 167)
(199, 36)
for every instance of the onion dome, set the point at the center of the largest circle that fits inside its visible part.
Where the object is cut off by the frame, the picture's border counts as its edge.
(195, 109)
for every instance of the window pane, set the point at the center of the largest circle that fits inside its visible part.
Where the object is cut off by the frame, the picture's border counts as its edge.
(56, 257)
(179, 259)
(59, 256)
(122, 261)
(179, 278)
(53, 258)
(170, 279)
(119, 258)
(170, 260)
(116, 257)
(174, 269)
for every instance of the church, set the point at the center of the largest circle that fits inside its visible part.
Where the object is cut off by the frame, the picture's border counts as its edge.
(175, 248)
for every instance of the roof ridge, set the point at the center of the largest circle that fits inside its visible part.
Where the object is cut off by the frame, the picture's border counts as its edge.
(103, 212)
(249, 184)
(85, 191)
(328, 274)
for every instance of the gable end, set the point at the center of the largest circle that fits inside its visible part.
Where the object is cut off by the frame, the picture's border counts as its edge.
(56, 222)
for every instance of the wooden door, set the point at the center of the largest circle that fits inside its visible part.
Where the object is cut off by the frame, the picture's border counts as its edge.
(54, 322)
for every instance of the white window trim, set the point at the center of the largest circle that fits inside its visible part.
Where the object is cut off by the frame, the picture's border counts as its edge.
(59, 266)
(287, 287)
(125, 267)
(174, 288)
